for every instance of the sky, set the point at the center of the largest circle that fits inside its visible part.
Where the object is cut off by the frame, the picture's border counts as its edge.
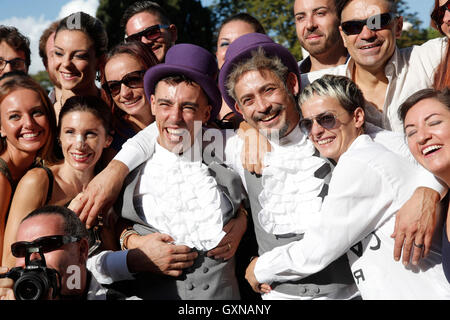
(32, 17)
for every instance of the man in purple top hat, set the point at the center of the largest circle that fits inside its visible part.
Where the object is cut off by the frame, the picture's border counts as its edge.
(178, 195)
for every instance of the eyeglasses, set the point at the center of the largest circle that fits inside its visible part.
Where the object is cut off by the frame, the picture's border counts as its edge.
(45, 244)
(376, 22)
(151, 33)
(438, 14)
(131, 80)
(326, 120)
(16, 63)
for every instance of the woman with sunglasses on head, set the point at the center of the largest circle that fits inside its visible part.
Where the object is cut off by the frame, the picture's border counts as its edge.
(84, 131)
(122, 81)
(27, 127)
(426, 119)
(79, 48)
(368, 186)
(441, 20)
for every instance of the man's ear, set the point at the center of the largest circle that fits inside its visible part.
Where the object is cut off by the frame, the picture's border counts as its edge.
(237, 108)
(293, 83)
(343, 36)
(207, 114)
(173, 33)
(84, 250)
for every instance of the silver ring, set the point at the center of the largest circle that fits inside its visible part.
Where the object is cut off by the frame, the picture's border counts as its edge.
(229, 246)
(420, 246)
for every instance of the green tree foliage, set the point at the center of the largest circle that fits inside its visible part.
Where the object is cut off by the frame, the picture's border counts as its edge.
(413, 35)
(276, 16)
(193, 21)
(42, 78)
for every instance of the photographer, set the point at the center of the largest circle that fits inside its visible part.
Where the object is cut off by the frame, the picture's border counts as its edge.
(54, 239)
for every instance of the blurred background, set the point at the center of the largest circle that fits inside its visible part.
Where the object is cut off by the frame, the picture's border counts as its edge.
(196, 20)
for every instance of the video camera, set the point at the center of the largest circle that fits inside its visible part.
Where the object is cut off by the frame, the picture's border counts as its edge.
(35, 280)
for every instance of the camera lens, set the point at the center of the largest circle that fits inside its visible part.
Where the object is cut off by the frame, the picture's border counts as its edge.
(30, 287)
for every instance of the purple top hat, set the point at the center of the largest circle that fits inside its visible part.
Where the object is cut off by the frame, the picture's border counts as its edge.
(194, 62)
(242, 48)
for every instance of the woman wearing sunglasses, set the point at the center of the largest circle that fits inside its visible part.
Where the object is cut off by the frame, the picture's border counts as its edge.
(426, 119)
(369, 185)
(83, 133)
(122, 81)
(80, 45)
(441, 20)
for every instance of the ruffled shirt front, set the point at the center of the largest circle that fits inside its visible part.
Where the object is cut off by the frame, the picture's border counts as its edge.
(290, 188)
(180, 198)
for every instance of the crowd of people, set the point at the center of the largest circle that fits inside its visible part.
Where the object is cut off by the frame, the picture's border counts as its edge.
(244, 175)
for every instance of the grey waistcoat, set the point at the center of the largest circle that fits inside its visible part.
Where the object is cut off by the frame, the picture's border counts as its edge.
(336, 276)
(207, 279)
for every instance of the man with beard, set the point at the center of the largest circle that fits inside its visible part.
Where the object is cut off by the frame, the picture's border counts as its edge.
(317, 26)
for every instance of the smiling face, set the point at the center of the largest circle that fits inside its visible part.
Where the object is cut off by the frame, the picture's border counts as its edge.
(23, 121)
(317, 25)
(228, 33)
(142, 21)
(371, 49)
(83, 138)
(427, 128)
(130, 100)
(332, 143)
(180, 110)
(265, 102)
(75, 60)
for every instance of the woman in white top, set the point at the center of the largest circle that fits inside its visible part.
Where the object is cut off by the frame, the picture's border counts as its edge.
(368, 186)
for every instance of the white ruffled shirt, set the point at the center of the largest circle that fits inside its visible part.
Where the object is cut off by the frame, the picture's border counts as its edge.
(290, 189)
(368, 186)
(180, 198)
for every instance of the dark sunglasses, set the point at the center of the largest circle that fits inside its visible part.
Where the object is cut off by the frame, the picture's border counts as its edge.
(16, 64)
(326, 120)
(151, 33)
(438, 14)
(132, 80)
(376, 22)
(45, 244)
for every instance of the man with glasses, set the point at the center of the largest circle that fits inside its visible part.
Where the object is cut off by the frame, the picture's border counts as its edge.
(317, 25)
(147, 22)
(62, 238)
(386, 75)
(14, 50)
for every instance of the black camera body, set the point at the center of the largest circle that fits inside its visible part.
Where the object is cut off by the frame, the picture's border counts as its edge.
(34, 281)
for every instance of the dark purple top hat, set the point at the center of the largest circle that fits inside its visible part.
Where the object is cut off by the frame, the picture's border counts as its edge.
(242, 48)
(192, 61)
